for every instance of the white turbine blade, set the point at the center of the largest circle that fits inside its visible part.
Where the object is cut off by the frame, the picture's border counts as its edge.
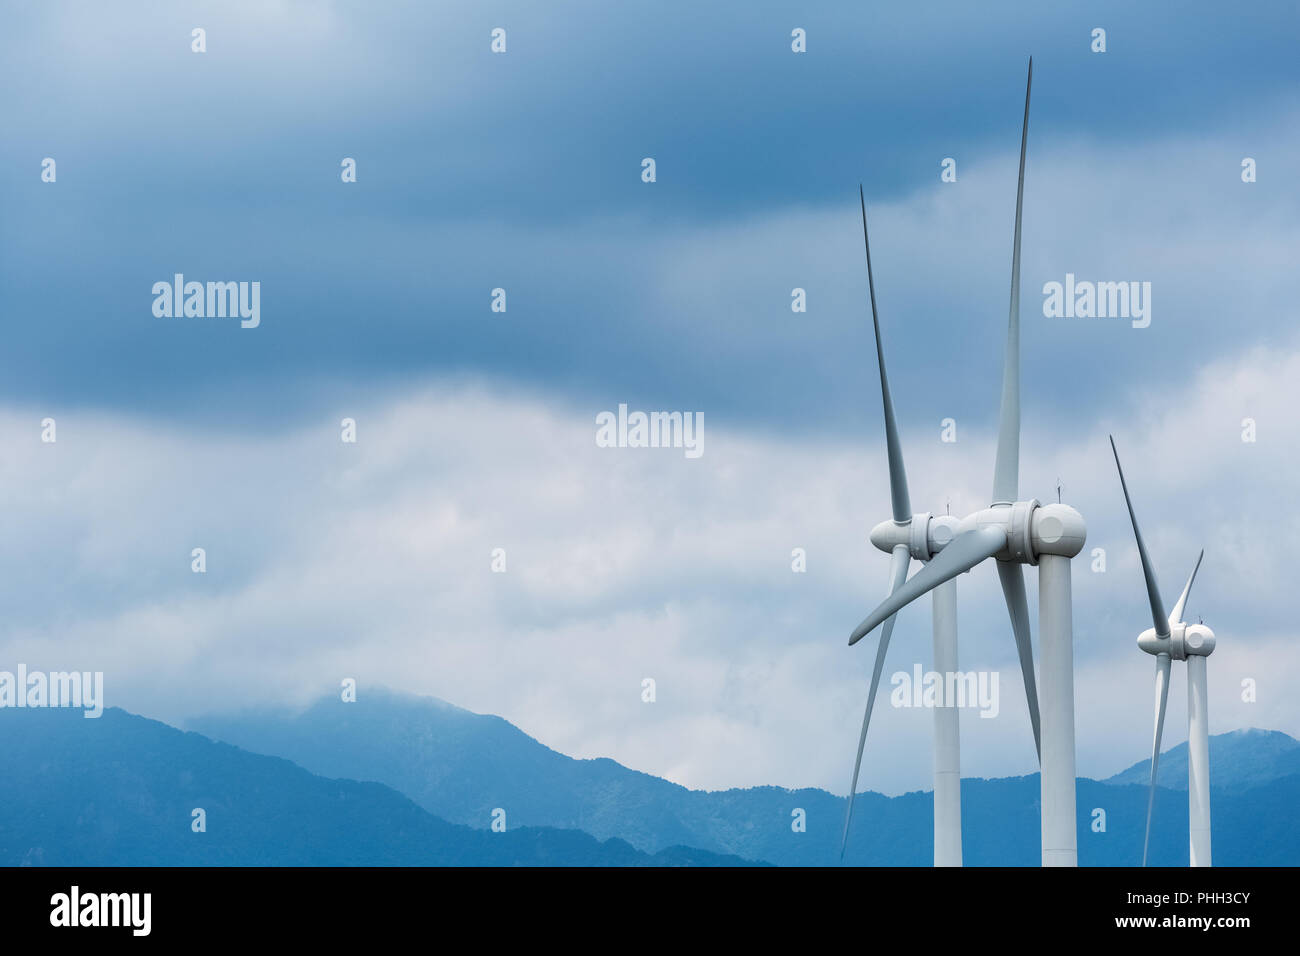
(1176, 617)
(897, 474)
(1153, 589)
(1162, 697)
(1013, 589)
(961, 554)
(897, 575)
(1006, 469)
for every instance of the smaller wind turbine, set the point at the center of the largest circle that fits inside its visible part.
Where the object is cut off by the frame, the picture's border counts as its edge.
(1171, 639)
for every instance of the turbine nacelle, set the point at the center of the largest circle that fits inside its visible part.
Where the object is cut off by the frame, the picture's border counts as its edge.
(1030, 529)
(924, 535)
(1198, 640)
(1058, 529)
(1184, 641)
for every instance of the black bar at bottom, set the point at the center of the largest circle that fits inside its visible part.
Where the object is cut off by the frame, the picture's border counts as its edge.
(670, 905)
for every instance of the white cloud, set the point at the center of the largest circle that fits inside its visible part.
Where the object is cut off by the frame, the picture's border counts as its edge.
(329, 560)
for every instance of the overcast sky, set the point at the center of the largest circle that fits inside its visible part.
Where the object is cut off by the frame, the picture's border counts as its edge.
(476, 430)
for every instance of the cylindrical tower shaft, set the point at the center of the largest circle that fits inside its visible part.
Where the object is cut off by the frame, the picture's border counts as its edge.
(1198, 761)
(947, 733)
(1056, 704)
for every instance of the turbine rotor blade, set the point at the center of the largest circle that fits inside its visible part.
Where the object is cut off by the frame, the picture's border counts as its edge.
(897, 474)
(897, 575)
(961, 554)
(1153, 590)
(1162, 697)
(1176, 616)
(1013, 589)
(1006, 469)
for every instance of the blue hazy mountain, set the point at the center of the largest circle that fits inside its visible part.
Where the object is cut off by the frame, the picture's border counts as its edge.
(459, 765)
(1238, 761)
(120, 790)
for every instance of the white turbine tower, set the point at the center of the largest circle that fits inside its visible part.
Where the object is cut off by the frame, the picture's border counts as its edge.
(1016, 532)
(926, 535)
(1171, 639)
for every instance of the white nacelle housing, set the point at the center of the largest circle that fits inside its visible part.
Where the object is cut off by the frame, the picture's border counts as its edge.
(925, 535)
(1184, 641)
(1031, 529)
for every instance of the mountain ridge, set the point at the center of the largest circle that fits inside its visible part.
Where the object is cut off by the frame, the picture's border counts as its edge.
(1273, 754)
(120, 790)
(458, 764)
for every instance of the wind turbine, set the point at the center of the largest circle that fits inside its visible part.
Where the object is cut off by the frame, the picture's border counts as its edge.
(1171, 639)
(925, 535)
(1016, 532)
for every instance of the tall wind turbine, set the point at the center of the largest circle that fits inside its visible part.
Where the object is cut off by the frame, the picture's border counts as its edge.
(1016, 532)
(918, 536)
(1171, 639)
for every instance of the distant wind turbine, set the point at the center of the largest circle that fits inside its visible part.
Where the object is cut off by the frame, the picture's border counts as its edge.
(1171, 639)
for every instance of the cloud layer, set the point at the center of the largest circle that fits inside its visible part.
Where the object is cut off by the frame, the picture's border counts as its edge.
(329, 560)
